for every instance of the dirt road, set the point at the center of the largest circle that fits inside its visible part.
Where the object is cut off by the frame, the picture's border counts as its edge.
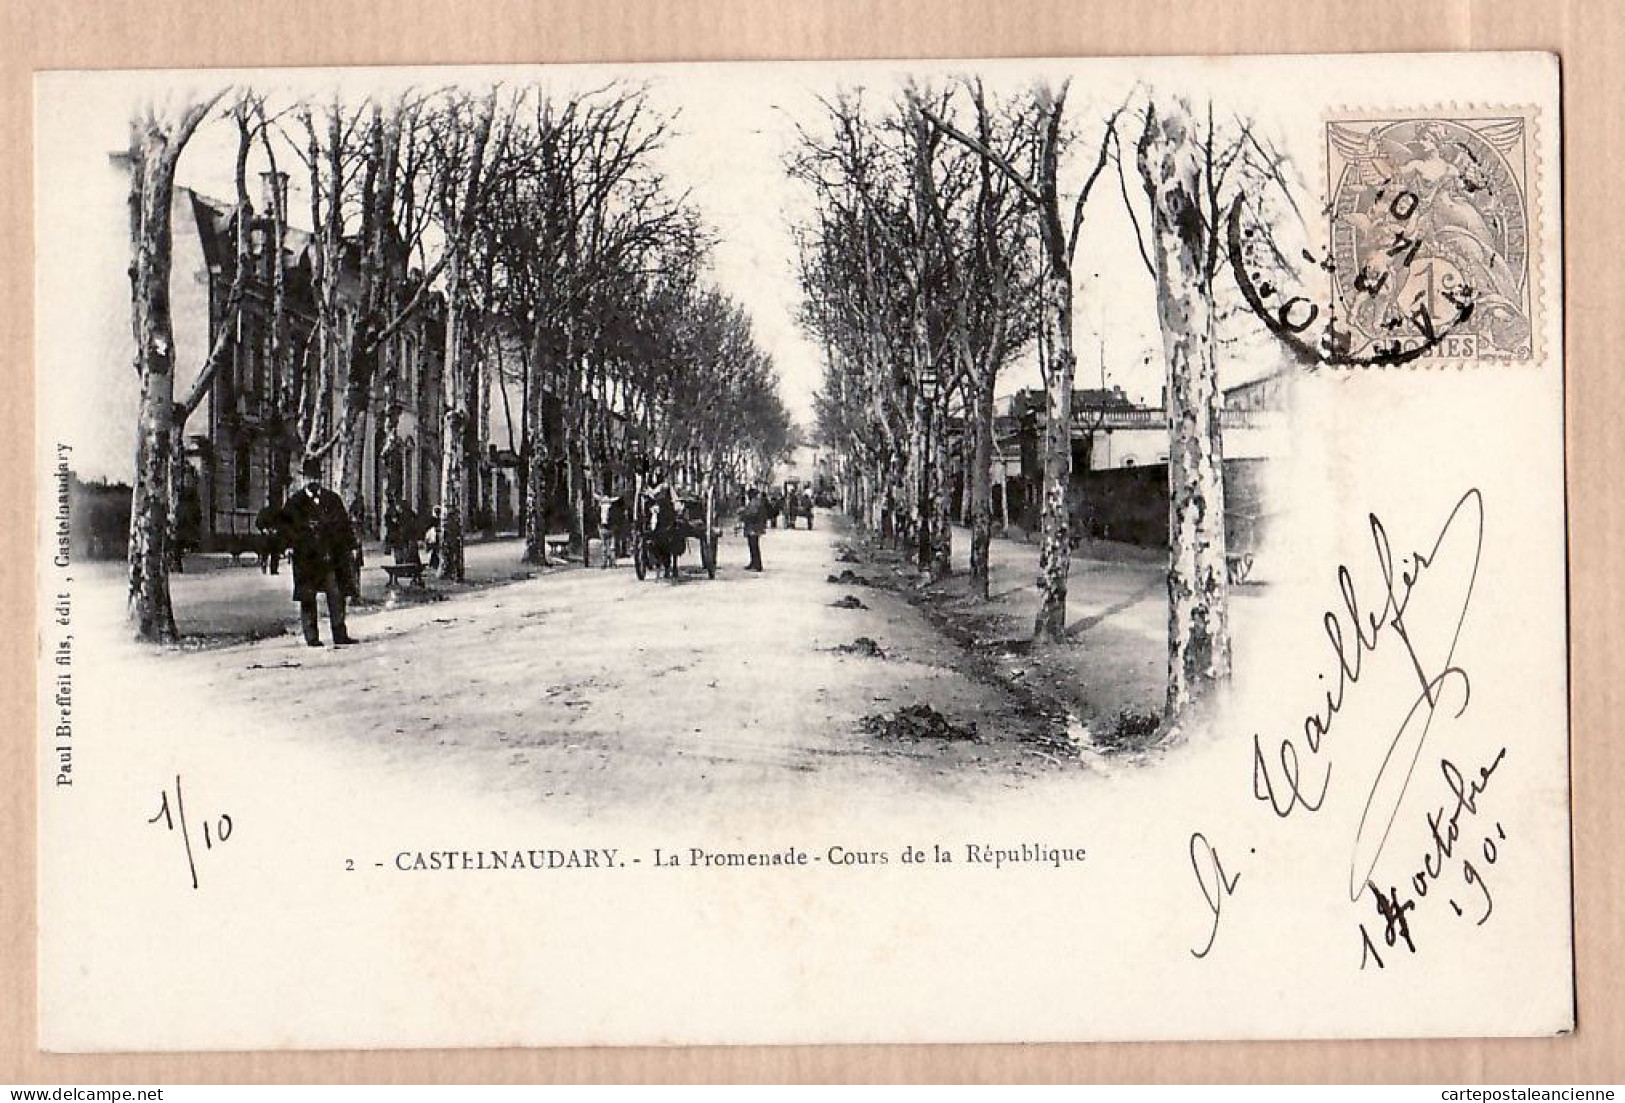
(592, 688)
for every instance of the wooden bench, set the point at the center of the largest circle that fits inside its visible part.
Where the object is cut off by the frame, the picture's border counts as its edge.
(411, 572)
(558, 544)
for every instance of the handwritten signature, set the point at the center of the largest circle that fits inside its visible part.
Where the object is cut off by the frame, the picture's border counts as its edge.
(1216, 885)
(1297, 773)
(1284, 784)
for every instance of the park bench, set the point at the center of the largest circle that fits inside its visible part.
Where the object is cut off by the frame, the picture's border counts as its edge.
(558, 544)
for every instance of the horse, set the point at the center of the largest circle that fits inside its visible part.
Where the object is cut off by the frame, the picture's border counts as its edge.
(614, 524)
(669, 534)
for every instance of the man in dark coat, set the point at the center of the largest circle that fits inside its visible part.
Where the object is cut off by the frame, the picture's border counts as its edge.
(317, 529)
(269, 523)
(753, 519)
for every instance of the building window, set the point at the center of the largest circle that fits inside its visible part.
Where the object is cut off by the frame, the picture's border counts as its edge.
(243, 477)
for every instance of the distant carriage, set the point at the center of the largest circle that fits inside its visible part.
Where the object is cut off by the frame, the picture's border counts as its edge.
(663, 523)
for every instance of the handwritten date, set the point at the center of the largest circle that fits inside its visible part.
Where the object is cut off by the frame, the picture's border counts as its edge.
(172, 814)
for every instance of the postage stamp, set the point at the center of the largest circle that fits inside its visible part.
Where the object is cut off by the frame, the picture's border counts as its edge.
(1431, 222)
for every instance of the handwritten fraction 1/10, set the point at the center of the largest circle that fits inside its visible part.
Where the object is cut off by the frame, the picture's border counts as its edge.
(172, 814)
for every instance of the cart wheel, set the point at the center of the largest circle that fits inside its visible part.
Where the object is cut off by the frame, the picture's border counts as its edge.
(640, 560)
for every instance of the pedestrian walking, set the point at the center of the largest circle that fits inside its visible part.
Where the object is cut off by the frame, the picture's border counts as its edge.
(269, 523)
(324, 547)
(401, 533)
(753, 518)
(431, 539)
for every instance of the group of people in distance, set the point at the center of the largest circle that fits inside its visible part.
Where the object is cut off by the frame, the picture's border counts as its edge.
(762, 512)
(670, 524)
(758, 512)
(324, 544)
(788, 504)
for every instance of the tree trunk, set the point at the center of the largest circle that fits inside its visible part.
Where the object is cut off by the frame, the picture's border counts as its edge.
(351, 447)
(390, 459)
(572, 477)
(327, 220)
(452, 474)
(473, 468)
(589, 481)
(919, 477)
(537, 450)
(156, 150)
(355, 395)
(454, 373)
(1171, 167)
(967, 467)
(1055, 551)
(285, 378)
(980, 417)
(490, 375)
(174, 551)
(942, 518)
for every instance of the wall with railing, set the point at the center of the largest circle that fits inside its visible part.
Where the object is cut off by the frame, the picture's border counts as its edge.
(1142, 418)
(1130, 504)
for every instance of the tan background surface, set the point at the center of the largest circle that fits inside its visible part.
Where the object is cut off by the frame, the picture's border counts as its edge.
(1588, 34)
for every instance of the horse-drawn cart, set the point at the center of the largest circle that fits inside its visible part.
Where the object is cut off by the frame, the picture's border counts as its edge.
(664, 521)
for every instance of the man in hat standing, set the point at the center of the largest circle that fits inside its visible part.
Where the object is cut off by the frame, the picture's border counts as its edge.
(323, 542)
(753, 519)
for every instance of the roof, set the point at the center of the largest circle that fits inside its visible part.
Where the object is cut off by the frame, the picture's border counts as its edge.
(217, 230)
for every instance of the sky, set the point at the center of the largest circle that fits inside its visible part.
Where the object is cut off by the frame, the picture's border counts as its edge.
(734, 126)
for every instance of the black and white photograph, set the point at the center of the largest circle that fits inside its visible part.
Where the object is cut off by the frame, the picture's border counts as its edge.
(732, 553)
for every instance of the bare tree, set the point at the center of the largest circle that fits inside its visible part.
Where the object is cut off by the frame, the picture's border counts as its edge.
(156, 143)
(986, 234)
(1041, 187)
(247, 115)
(882, 285)
(1193, 172)
(462, 138)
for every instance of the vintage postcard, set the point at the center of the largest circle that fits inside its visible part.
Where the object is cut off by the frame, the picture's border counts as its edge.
(1037, 550)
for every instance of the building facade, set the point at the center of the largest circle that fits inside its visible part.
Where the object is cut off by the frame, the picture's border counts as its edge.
(247, 437)
(1112, 436)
